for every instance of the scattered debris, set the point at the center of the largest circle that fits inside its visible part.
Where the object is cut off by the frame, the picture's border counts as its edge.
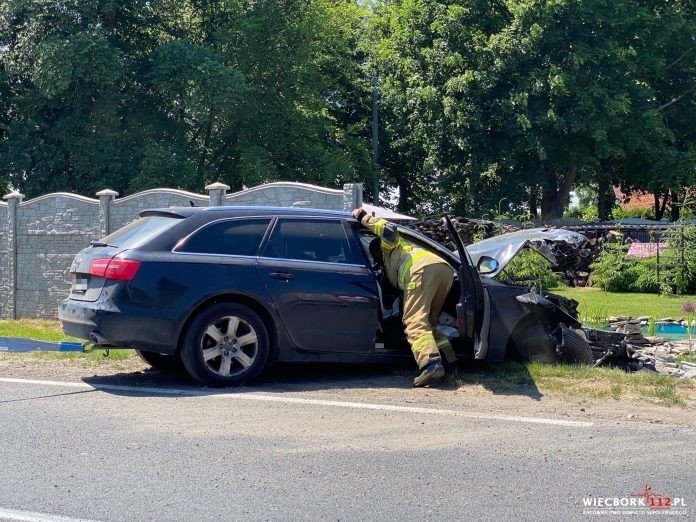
(627, 348)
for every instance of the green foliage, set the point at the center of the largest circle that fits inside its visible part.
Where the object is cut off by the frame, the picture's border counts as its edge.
(478, 100)
(131, 95)
(523, 99)
(530, 268)
(594, 317)
(615, 272)
(608, 269)
(680, 258)
(634, 212)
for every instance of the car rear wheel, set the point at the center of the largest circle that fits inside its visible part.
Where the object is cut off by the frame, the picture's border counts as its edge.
(225, 345)
(162, 362)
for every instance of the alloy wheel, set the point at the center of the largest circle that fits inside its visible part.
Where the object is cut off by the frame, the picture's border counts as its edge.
(229, 346)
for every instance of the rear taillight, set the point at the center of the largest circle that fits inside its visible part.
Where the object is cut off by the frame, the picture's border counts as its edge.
(116, 268)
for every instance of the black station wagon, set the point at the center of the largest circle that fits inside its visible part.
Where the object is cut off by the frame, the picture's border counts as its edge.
(228, 290)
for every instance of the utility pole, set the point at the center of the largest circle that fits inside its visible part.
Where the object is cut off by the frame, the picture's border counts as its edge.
(375, 141)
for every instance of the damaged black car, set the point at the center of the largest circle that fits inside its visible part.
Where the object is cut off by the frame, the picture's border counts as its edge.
(226, 291)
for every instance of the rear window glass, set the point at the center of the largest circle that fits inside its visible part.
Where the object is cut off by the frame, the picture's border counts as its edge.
(232, 238)
(140, 231)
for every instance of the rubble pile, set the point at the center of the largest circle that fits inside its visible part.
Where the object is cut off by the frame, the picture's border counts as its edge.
(469, 230)
(626, 347)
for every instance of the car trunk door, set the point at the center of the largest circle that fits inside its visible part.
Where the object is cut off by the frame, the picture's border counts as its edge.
(84, 285)
(472, 309)
(88, 287)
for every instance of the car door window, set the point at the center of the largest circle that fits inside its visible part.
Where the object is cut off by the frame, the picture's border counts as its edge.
(309, 240)
(240, 237)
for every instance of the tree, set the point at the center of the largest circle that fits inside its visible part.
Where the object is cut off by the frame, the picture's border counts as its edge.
(428, 55)
(521, 100)
(136, 94)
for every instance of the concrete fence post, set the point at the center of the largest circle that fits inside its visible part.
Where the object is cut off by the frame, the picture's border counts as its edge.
(352, 196)
(13, 200)
(106, 197)
(216, 193)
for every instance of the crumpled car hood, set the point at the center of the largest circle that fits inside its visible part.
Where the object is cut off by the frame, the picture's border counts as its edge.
(505, 247)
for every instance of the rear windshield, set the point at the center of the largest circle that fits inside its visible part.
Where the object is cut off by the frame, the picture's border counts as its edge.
(140, 231)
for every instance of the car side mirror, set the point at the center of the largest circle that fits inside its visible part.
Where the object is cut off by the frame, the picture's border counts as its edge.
(486, 265)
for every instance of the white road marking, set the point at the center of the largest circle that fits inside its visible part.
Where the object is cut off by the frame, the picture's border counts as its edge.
(297, 400)
(31, 516)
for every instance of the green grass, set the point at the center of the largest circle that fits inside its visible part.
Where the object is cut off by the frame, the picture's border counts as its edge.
(687, 357)
(579, 381)
(594, 302)
(50, 330)
(39, 329)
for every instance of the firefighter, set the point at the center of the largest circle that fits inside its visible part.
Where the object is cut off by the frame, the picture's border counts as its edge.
(425, 280)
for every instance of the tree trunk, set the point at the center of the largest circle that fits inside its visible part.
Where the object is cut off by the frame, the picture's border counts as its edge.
(660, 206)
(206, 145)
(605, 198)
(534, 201)
(555, 193)
(404, 196)
(675, 205)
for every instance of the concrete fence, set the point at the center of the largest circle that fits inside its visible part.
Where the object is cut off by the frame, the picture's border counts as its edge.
(40, 237)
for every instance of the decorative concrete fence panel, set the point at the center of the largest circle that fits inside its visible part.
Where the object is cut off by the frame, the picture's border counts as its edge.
(39, 238)
(124, 210)
(286, 194)
(50, 230)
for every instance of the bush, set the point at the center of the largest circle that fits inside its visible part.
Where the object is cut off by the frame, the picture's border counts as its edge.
(642, 276)
(609, 271)
(635, 212)
(614, 272)
(530, 268)
(681, 280)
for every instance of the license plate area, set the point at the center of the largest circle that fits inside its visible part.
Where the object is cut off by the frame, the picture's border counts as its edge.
(80, 283)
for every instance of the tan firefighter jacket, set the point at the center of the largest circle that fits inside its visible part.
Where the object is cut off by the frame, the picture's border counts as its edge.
(401, 257)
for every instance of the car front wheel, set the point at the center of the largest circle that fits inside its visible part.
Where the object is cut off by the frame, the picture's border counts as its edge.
(575, 349)
(225, 345)
(537, 345)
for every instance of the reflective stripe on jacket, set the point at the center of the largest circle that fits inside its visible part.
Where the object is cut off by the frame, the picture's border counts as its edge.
(400, 256)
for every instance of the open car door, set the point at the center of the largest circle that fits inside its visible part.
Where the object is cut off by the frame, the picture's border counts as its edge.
(473, 308)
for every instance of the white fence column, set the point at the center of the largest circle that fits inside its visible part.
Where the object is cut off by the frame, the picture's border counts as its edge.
(106, 197)
(352, 196)
(13, 200)
(217, 192)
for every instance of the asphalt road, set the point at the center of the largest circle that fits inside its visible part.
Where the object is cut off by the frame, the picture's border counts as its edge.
(132, 452)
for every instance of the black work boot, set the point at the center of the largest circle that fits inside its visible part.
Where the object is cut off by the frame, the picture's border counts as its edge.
(430, 373)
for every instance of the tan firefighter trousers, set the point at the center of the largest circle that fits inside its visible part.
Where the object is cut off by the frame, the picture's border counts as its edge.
(424, 295)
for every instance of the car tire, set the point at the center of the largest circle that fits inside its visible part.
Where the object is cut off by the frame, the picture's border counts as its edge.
(226, 344)
(162, 362)
(535, 345)
(576, 349)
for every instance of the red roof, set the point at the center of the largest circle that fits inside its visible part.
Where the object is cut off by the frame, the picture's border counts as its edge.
(635, 199)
